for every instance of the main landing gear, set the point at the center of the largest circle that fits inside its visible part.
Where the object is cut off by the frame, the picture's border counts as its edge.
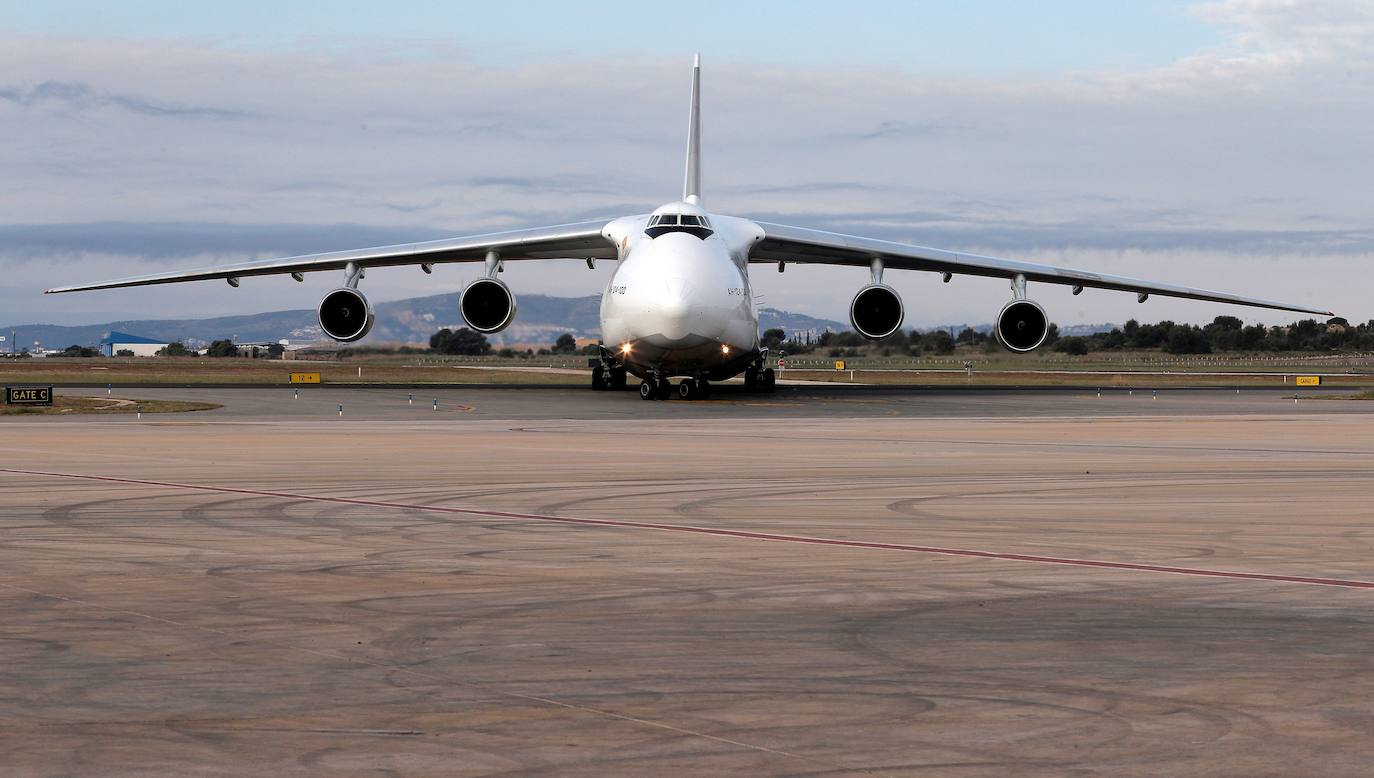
(686, 389)
(756, 380)
(608, 378)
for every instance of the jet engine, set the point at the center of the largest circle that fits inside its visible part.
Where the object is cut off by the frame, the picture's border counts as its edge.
(345, 315)
(488, 305)
(876, 311)
(1022, 325)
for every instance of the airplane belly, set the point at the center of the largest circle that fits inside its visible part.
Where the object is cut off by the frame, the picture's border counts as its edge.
(680, 313)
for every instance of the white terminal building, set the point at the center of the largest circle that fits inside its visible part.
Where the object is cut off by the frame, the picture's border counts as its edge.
(116, 342)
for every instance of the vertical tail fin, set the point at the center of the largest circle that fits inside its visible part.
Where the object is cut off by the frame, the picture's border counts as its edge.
(691, 187)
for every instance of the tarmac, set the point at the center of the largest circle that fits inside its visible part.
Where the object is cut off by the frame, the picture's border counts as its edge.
(826, 581)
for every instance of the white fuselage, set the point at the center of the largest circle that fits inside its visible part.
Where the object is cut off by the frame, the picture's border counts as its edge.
(680, 303)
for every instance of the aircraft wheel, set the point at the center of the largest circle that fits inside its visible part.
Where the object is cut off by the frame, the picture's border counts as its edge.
(751, 379)
(770, 381)
(647, 391)
(599, 377)
(703, 389)
(687, 389)
(665, 389)
(616, 378)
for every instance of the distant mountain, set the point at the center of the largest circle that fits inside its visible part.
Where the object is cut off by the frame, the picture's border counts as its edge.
(1085, 329)
(538, 319)
(1065, 329)
(797, 323)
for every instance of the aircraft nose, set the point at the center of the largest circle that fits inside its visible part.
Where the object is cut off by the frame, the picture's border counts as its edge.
(675, 308)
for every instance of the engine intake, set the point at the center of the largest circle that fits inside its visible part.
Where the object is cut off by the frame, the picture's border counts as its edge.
(876, 311)
(1022, 326)
(487, 305)
(345, 315)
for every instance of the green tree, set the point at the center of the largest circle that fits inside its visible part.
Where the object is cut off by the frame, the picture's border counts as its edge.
(464, 342)
(222, 348)
(566, 344)
(938, 341)
(1186, 339)
(1072, 345)
(177, 349)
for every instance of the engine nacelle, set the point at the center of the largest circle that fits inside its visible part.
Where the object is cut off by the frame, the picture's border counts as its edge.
(1022, 326)
(488, 305)
(346, 315)
(876, 311)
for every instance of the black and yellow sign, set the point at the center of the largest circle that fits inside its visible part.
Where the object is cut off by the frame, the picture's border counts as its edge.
(305, 378)
(1309, 380)
(839, 364)
(28, 395)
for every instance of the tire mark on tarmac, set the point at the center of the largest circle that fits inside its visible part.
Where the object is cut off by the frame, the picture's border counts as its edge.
(436, 678)
(791, 438)
(728, 533)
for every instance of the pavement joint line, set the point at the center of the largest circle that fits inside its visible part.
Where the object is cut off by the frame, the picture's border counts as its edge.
(435, 678)
(727, 533)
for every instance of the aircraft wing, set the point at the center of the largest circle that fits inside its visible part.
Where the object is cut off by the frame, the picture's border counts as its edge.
(782, 243)
(576, 241)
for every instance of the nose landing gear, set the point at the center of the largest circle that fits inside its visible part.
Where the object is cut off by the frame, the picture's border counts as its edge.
(692, 389)
(655, 387)
(686, 389)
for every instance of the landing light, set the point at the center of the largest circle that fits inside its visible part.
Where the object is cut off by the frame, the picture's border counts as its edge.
(724, 349)
(625, 349)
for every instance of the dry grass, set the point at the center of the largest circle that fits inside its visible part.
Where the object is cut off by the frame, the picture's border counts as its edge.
(1143, 378)
(1049, 369)
(191, 371)
(63, 404)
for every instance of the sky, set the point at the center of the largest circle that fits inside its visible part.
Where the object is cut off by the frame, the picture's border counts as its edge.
(1220, 144)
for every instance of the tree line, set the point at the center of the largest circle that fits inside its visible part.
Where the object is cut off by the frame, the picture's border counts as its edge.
(465, 342)
(1223, 334)
(1226, 334)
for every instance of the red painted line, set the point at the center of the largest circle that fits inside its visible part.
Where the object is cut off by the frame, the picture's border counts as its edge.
(725, 533)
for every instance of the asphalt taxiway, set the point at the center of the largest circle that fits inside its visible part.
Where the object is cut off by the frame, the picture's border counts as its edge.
(562, 582)
(431, 403)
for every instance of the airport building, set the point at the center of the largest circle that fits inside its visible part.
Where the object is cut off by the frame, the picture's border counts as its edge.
(116, 342)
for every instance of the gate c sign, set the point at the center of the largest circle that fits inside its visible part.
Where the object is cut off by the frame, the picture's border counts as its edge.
(28, 395)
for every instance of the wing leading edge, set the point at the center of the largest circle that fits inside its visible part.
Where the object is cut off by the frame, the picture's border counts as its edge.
(782, 243)
(583, 240)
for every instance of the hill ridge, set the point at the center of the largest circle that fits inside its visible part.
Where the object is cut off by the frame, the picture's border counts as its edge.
(539, 318)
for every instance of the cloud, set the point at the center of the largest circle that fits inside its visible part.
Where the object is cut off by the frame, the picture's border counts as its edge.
(116, 162)
(79, 96)
(181, 241)
(1272, 47)
(895, 129)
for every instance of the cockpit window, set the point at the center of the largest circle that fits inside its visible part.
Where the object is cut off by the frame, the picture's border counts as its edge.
(673, 222)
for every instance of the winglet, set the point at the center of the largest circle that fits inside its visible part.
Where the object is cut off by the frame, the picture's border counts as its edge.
(691, 187)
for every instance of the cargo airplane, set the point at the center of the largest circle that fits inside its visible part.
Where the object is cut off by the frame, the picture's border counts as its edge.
(679, 302)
